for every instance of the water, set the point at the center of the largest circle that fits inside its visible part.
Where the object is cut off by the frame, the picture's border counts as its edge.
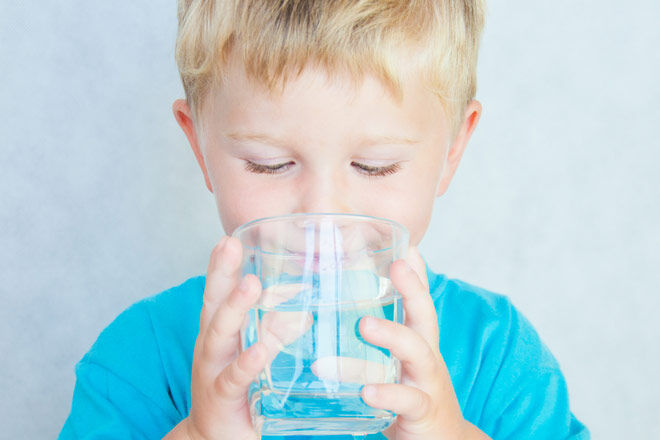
(320, 363)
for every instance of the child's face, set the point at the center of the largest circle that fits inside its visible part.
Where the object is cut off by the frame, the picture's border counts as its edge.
(318, 141)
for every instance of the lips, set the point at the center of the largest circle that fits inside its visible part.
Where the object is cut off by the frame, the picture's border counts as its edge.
(313, 262)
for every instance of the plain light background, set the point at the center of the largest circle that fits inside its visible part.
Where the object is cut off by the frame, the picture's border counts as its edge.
(556, 202)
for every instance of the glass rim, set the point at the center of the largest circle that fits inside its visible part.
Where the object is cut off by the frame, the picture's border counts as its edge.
(360, 217)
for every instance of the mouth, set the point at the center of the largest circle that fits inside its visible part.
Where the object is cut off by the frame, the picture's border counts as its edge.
(316, 256)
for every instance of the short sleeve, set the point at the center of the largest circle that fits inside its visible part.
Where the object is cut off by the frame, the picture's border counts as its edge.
(506, 380)
(123, 390)
(107, 407)
(528, 397)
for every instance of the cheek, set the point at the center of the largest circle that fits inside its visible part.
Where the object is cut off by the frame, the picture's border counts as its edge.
(241, 199)
(409, 201)
(411, 207)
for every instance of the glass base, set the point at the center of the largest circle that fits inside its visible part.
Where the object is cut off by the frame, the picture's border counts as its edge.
(316, 415)
(330, 426)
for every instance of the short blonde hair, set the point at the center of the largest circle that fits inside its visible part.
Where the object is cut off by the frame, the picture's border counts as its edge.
(279, 38)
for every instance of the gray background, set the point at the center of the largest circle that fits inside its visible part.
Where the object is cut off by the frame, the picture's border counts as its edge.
(556, 202)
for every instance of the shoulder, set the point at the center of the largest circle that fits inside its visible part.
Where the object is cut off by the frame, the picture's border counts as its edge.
(136, 377)
(136, 325)
(505, 377)
(488, 324)
(149, 345)
(461, 302)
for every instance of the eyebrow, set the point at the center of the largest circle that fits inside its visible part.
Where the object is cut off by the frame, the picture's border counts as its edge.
(364, 142)
(257, 137)
(388, 140)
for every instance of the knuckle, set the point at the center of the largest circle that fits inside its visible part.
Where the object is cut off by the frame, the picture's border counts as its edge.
(429, 356)
(224, 382)
(424, 404)
(215, 291)
(209, 304)
(231, 305)
(409, 272)
(230, 380)
(211, 342)
(233, 312)
(397, 335)
(388, 329)
(240, 368)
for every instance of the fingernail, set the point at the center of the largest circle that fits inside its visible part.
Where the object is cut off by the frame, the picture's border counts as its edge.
(369, 392)
(244, 286)
(226, 245)
(229, 257)
(253, 354)
(405, 265)
(368, 323)
(218, 249)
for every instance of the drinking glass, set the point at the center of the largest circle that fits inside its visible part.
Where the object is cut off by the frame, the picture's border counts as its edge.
(320, 273)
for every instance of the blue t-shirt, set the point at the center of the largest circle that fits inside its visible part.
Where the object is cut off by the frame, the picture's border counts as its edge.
(134, 383)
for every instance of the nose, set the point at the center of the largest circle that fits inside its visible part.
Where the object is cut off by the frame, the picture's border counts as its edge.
(324, 193)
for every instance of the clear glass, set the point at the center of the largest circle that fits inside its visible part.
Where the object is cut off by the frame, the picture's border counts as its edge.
(320, 274)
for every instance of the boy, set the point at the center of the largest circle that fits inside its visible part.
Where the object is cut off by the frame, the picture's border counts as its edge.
(349, 106)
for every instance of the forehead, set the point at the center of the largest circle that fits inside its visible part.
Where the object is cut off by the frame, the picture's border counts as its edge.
(323, 99)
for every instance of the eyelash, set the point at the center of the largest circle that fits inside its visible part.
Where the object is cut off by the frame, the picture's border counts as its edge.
(265, 169)
(276, 169)
(378, 171)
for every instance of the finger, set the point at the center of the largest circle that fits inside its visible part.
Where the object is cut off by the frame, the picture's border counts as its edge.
(417, 263)
(221, 336)
(233, 382)
(417, 357)
(279, 329)
(407, 402)
(418, 306)
(346, 369)
(221, 276)
(279, 293)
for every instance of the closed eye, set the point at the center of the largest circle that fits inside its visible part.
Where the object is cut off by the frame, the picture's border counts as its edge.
(267, 169)
(377, 171)
(363, 169)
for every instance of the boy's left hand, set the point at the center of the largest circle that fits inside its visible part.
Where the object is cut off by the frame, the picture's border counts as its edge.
(424, 401)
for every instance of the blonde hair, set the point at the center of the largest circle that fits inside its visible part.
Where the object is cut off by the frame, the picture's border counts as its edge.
(275, 39)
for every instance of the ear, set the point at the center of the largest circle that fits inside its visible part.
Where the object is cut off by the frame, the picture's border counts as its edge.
(471, 118)
(183, 116)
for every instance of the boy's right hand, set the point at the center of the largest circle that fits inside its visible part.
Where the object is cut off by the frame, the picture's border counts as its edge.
(220, 379)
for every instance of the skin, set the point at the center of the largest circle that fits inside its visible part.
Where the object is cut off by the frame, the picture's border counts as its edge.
(326, 130)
